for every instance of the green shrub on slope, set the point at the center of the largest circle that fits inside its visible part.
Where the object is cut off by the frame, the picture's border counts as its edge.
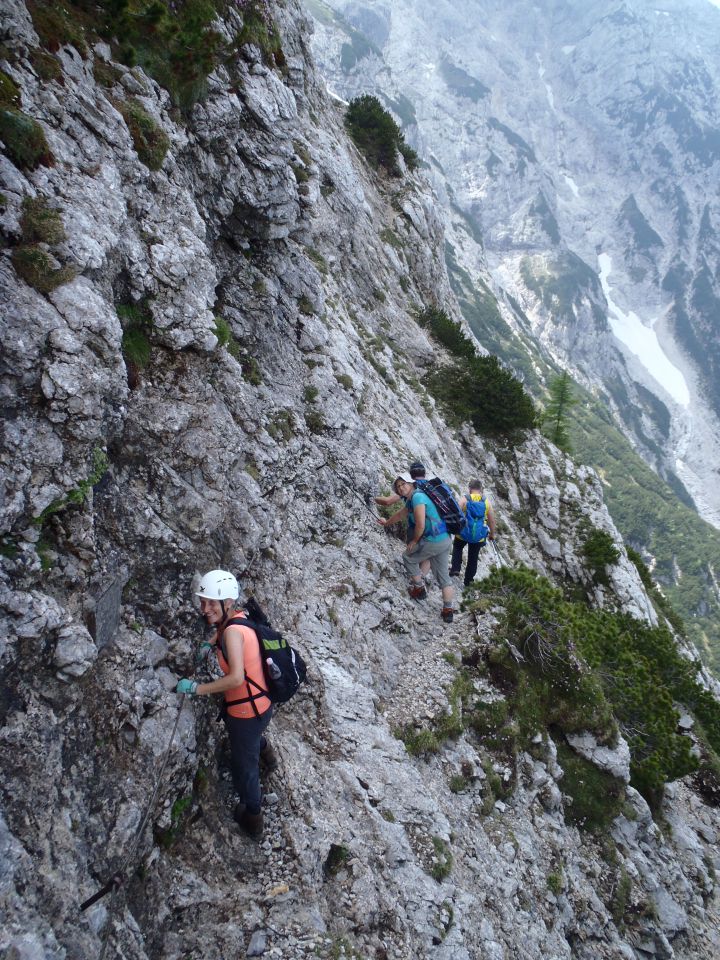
(475, 389)
(577, 661)
(377, 135)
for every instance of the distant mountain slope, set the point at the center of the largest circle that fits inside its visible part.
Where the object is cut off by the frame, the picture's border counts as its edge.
(583, 140)
(574, 147)
(654, 515)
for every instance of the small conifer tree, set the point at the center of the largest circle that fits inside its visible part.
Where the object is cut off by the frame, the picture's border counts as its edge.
(555, 420)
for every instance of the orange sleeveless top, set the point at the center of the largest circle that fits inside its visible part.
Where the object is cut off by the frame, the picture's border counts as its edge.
(256, 702)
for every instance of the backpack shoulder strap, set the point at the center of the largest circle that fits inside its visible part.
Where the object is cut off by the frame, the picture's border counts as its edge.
(237, 622)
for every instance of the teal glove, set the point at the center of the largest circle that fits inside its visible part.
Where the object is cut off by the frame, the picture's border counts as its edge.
(186, 686)
(202, 652)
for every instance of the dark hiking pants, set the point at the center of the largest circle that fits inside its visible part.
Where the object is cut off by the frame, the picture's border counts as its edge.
(246, 742)
(472, 560)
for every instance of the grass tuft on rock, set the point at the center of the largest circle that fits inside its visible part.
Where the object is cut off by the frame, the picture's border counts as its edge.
(40, 269)
(150, 140)
(9, 91)
(42, 227)
(24, 140)
(137, 323)
(41, 223)
(595, 797)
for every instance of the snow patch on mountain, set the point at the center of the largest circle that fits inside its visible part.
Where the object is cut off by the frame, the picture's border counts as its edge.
(642, 340)
(573, 186)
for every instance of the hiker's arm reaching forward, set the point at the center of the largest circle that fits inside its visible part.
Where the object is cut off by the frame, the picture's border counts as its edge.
(388, 501)
(236, 662)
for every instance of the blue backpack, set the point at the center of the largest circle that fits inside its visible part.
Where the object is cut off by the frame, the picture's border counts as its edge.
(475, 529)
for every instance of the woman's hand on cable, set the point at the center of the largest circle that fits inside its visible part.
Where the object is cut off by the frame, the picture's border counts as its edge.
(201, 654)
(186, 686)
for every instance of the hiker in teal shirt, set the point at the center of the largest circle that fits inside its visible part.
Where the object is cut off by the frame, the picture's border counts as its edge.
(430, 541)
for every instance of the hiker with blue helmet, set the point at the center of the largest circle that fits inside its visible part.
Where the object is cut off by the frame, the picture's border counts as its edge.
(430, 541)
(247, 709)
(479, 528)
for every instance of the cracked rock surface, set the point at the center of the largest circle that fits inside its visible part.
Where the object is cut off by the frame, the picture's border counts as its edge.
(121, 482)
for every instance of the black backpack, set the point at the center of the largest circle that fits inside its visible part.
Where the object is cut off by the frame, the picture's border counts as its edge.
(444, 499)
(283, 667)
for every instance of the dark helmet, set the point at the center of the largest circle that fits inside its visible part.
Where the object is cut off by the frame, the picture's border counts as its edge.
(417, 469)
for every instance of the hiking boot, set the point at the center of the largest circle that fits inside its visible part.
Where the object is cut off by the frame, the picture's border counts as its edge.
(454, 573)
(251, 823)
(417, 591)
(268, 758)
(447, 614)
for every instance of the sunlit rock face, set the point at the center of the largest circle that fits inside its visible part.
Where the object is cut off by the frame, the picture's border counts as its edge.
(584, 141)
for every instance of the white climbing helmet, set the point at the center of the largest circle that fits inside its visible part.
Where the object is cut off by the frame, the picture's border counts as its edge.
(218, 585)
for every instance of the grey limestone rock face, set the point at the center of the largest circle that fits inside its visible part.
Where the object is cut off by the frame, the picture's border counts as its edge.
(262, 456)
(614, 760)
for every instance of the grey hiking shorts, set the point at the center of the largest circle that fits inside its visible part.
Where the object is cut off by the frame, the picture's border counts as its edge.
(438, 553)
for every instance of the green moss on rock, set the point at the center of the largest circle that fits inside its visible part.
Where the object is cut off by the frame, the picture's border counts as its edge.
(150, 140)
(38, 268)
(24, 140)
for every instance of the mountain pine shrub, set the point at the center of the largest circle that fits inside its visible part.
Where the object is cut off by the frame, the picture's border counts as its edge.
(598, 670)
(600, 553)
(475, 389)
(377, 135)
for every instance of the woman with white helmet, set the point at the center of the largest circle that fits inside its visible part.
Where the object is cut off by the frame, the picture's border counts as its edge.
(247, 709)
